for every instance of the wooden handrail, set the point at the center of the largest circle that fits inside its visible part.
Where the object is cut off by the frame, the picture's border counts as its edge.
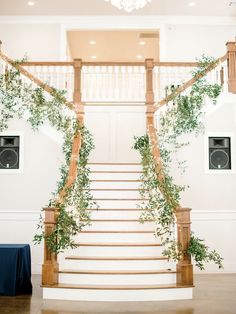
(105, 63)
(32, 78)
(184, 267)
(47, 63)
(189, 83)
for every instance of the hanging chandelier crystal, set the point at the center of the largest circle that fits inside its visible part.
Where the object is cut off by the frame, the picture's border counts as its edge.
(129, 5)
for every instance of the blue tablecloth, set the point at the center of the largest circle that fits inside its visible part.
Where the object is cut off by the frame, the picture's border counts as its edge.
(15, 269)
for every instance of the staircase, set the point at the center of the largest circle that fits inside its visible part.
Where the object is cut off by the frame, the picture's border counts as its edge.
(118, 258)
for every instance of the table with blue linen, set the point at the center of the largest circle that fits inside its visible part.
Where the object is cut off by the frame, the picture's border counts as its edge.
(15, 269)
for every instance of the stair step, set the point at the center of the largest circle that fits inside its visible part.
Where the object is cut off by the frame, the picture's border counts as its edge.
(117, 226)
(118, 203)
(117, 231)
(115, 167)
(115, 175)
(117, 272)
(133, 244)
(115, 163)
(119, 287)
(117, 258)
(100, 180)
(119, 237)
(112, 293)
(120, 199)
(122, 279)
(106, 209)
(117, 220)
(116, 171)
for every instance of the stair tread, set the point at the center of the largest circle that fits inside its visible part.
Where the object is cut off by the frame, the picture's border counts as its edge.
(100, 209)
(118, 180)
(116, 171)
(117, 231)
(117, 244)
(121, 199)
(118, 272)
(119, 258)
(117, 220)
(115, 189)
(118, 287)
(114, 163)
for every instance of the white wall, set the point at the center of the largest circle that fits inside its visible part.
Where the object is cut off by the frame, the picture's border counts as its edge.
(23, 195)
(40, 42)
(212, 196)
(186, 42)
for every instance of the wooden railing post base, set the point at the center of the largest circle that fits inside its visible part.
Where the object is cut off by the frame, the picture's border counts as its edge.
(50, 266)
(184, 267)
(184, 274)
(50, 274)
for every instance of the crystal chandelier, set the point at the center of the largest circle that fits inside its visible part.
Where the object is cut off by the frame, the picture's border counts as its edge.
(129, 5)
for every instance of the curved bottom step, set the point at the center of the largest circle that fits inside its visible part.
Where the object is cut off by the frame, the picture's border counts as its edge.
(117, 293)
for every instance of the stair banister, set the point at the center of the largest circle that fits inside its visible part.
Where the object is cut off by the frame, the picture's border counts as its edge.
(50, 266)
(184, 266)
(190, 82)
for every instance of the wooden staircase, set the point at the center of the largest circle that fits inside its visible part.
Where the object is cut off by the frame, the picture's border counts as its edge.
(117, 258)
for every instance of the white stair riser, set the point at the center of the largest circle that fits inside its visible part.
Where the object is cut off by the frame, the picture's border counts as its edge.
(114, 185)
(117, 279)
(115, 176)
(115, 194)
(118, 204)
(120, 225)
(115, 167)
(118, 237)
(117, 295)
(115, 265)
(118, 251)
(115, 214)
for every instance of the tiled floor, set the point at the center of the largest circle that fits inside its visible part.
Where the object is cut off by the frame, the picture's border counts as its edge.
(213, 294)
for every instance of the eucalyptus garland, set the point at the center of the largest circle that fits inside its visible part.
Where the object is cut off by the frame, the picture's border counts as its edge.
(183, 115)
(21, 99)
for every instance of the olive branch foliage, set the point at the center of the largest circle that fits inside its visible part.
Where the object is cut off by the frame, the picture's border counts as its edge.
(21, 99)
(183, 115)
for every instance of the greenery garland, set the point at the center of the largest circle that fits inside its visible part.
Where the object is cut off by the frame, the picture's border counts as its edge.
(20, 99)
(184, 115)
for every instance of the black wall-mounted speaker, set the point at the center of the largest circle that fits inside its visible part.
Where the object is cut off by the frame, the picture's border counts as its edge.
(9, 152)
(219, 153)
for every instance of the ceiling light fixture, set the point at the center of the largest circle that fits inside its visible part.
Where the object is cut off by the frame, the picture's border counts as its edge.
(129, 5)
(93, 57)
(31, 3)
(92, 42)
(192, 4)
(139, 57)
(142, 43)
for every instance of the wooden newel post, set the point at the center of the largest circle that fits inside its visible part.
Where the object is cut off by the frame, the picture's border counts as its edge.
(77, 96)
(231, 59)
(184, 266)
(50, 266)
(149, 65)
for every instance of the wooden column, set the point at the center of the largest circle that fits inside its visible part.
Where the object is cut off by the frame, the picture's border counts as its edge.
(231, 58)
(77, 96)
(184, 266)
(50, 266)
(149, 65)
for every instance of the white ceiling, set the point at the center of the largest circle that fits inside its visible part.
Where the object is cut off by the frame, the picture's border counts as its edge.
(100, 7)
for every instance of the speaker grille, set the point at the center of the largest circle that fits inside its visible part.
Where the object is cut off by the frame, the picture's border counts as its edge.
(219, 159)
(9, 158)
